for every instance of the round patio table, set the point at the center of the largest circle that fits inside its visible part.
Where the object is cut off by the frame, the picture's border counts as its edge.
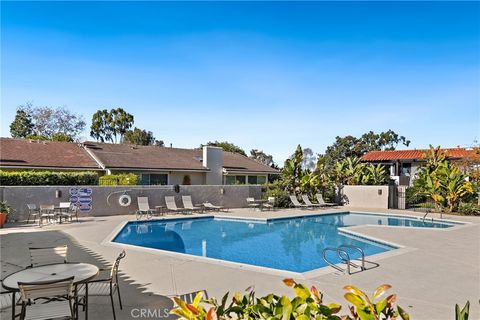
(82, 272)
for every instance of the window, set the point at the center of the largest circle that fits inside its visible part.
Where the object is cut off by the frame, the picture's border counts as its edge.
(235, 180)
(240, 180)
(406, 169)
(230, 180)
(149, 179)
(261, 180)
(252, 180)
(158, 179)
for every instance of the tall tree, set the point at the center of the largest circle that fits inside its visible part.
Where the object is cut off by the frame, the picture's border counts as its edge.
(101, 129)
(350, 146)
(262, 157)
(121, 121)
(22, 125)
(109, 125)
(227, 146)
(141, 137)
(50, 121)
(309, 159)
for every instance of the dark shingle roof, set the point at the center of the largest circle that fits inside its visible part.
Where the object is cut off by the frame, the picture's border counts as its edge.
(116, 156)
(163, 158)
(44, 154)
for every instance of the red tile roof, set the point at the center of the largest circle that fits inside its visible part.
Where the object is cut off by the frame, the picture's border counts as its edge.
(389, 155)
(44, 154)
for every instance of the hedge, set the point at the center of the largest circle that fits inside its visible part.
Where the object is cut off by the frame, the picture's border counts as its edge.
(126, 179)
(47, 178)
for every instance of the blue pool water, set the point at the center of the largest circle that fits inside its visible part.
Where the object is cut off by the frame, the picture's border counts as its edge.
(293, 244)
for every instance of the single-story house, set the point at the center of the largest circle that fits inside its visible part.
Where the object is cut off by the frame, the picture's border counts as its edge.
(154, 165)
(403, 164)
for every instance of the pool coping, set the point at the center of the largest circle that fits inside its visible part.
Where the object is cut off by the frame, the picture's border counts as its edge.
(351, 230)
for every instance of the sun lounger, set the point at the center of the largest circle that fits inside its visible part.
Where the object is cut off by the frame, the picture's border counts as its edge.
(270, 205)
(297, 204)
(309, 203)
(144, 208)
(188, 205)
(171, 205)
(323, 203)
(252, 204)
(209, 206)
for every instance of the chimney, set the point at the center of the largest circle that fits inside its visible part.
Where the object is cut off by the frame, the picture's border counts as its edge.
(213, 160)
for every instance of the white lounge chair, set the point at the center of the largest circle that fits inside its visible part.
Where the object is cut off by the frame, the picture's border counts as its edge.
(309, 203)
(209, 206)
(144, 208)
(270, 205)
(251, 203)
(188, 205)
(323, 203)
(171, 205)
(297, 204)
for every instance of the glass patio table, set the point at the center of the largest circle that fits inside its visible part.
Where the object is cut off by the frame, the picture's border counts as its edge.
(82, 272)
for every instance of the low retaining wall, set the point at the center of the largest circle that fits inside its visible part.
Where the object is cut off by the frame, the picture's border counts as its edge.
(228, 196)
(376, 197)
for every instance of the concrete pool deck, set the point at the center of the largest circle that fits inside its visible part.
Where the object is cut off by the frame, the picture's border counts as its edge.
(435, 269)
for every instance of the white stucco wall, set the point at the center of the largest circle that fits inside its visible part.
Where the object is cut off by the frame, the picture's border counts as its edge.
(213, 159)
(365, 196)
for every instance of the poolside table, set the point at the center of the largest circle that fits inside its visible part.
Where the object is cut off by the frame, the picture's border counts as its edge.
(82, 272)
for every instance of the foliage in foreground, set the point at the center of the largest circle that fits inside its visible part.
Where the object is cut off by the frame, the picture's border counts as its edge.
(462, 314)
(306, 305)
(47, 178)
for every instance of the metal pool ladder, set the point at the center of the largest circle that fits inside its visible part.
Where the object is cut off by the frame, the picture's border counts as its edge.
(345, 258)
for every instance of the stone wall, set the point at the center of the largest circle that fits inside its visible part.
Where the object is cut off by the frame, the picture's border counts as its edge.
(105, 199)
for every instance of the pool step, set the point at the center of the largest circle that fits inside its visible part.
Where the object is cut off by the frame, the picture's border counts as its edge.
(345, 258)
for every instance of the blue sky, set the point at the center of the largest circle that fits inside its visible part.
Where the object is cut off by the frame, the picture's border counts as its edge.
(262, 75)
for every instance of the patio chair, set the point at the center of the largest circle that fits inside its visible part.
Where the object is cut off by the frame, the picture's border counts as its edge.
(323, 203)
(106, 287)
(47, 212)
(252, 204)
(50, 255)
(67, 211)
(33, 211)
(144, 208)
(307, 201)
(188, 205)
(297, 204)
(171, 205)
(5, 299)
(270, 205)
(58, 305)
(209, 206)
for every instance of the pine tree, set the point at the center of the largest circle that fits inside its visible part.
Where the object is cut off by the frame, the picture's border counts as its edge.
(22, 125)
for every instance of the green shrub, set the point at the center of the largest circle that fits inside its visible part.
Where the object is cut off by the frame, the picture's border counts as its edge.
(469, 209)
(282, 199)
(47, 178)
(306, 305)
(124, 179)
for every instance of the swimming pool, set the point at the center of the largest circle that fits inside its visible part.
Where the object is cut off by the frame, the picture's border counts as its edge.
(292, 244)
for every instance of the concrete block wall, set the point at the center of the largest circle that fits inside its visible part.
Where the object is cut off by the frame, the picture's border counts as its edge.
(376, 197)
(105, 200)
